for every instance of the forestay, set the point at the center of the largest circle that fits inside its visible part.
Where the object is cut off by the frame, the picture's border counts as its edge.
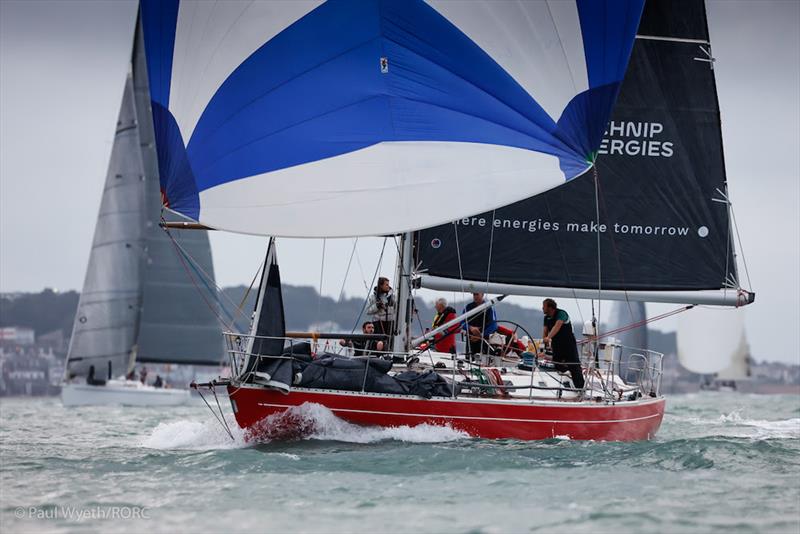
(301, 119)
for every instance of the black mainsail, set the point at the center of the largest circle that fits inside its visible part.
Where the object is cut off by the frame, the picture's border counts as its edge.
(661, 193)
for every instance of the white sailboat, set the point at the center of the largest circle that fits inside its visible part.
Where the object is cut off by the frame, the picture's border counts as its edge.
(712, 342)
(138, 303)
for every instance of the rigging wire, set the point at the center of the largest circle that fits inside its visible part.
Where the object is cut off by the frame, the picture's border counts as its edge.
(347, 271)
(240, 307)
(194, 282)
(596, 319)
(488, 270)
(614, 249)
(361, 270)
(196, 266)
(460, 269)
(374, 278)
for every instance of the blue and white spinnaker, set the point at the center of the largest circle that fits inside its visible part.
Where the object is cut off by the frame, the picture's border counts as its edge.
(346, 118)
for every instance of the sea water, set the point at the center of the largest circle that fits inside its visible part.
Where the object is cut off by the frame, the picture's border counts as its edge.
(721, 462)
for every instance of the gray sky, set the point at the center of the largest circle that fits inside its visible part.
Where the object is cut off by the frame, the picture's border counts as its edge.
(62, 70)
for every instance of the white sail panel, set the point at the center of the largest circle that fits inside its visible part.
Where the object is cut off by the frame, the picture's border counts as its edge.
(709, 338)
(245, 93)
(212, 39)
(532, 41)
(429, 180)
(739, 368)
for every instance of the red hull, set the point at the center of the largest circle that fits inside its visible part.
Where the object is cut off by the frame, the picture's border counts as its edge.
(484, 418)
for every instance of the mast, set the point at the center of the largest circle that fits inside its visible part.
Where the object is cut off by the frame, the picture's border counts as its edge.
(403, 295)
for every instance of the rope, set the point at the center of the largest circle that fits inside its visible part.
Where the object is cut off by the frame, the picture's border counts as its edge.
(196, 266)
(638, 324)
(194, 283)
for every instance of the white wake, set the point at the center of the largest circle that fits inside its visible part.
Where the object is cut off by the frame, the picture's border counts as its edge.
(194, 435)
(305, 422)
(327, 427)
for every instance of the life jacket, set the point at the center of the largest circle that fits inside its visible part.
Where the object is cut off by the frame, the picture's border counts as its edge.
(445, 341)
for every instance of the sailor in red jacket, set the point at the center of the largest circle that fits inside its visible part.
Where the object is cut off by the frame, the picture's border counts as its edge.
(445, 341)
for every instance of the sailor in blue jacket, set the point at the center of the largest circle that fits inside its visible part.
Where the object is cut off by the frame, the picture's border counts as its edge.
(480, 326)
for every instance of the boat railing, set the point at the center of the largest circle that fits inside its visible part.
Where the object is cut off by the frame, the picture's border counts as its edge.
(637, 375)
(238, 347)
(619, 368)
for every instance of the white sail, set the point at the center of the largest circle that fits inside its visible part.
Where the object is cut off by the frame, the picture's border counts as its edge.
(710, 339)
(739, 368)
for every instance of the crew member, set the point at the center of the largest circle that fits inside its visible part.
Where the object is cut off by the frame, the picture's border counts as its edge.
(381, 306)
(557, 332)
(444, 341)
(364, 347)
(480, 326)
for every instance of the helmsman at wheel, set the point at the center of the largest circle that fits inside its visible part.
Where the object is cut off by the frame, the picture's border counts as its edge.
(557, 332)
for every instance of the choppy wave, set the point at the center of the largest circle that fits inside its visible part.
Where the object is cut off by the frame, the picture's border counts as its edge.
(734, 424)
(787, 429)
(719, 463)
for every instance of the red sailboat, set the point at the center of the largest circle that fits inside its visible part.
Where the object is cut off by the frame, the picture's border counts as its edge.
(348, 119)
